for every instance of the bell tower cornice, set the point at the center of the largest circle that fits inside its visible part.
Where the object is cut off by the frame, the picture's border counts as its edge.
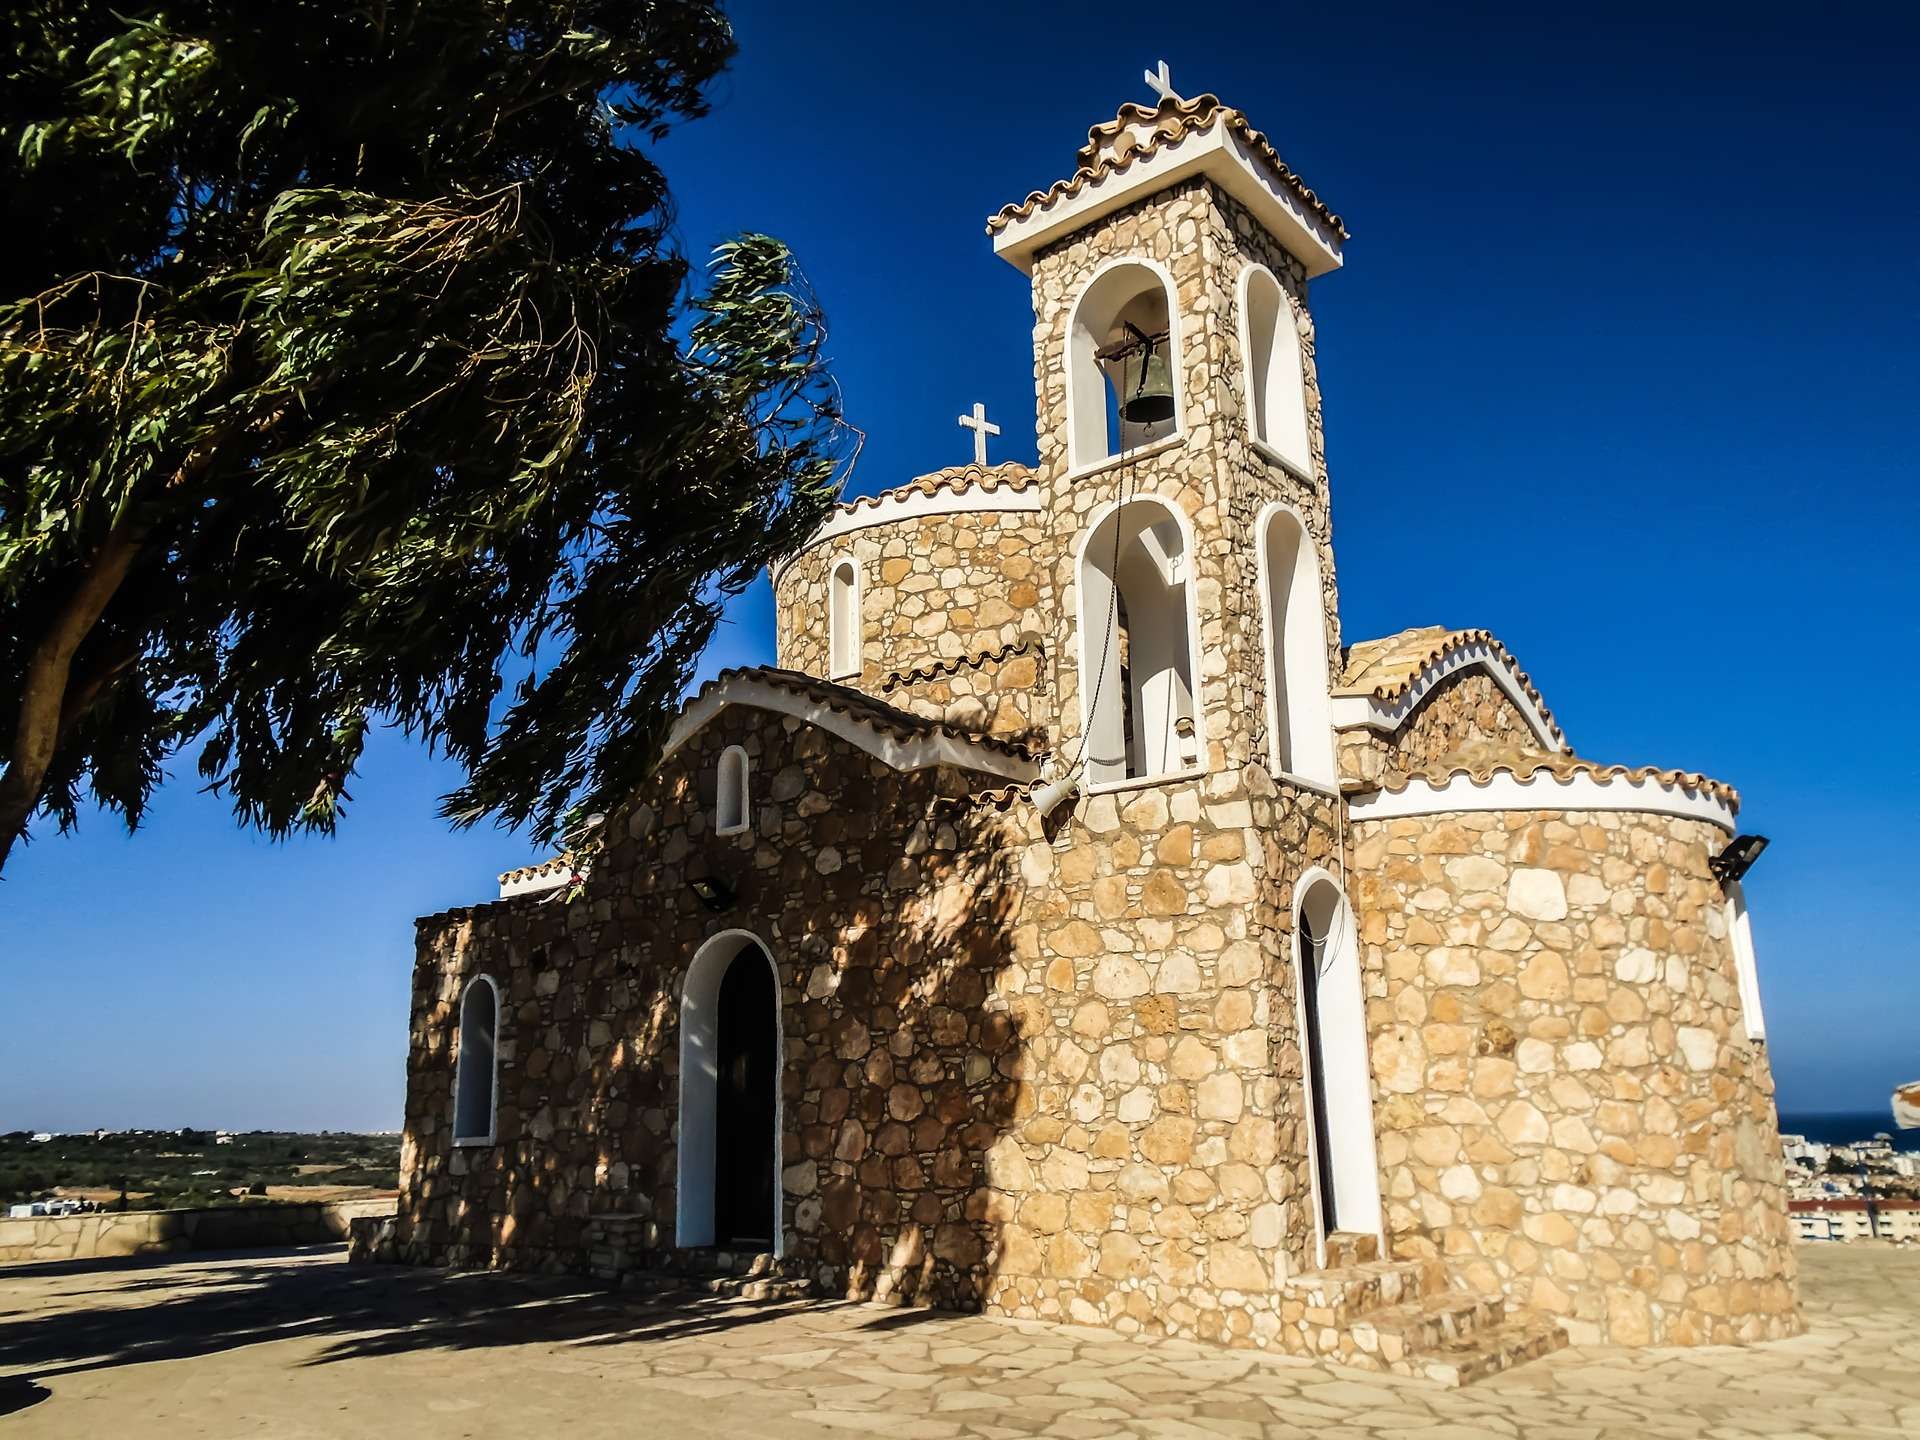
(1145, 149)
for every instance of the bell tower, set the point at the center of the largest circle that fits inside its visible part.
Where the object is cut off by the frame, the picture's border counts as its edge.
(1180, 446)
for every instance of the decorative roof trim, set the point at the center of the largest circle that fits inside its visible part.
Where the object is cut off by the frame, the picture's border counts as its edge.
(1558, 783)
(959, 490)
(1143, 150)
(895, 738)
(549, 874)
(1026, 644)
(1388, 706)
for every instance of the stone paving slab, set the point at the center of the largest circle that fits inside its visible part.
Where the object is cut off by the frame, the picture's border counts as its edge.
(301, 1345)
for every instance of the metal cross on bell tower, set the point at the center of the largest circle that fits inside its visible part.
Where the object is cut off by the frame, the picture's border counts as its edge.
(982, 428)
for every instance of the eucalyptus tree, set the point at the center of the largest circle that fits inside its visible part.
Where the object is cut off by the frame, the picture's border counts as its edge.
(349, 374)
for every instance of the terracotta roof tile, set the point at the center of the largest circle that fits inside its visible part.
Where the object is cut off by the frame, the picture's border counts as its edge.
(1008, 475)
(864, 707)
(1139, 130)
(1026, 644)
(1480, 763)
(1385, 669)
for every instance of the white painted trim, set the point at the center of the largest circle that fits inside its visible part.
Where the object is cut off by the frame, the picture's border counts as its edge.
(460, 1065)
(1356, 1154)
(1076, 465)
(1191, 585)
(1253, 408)
(1129, 457)
(1219, 154)
(1543, 790)
(1353, 712)
(695, 1151)
(1267, 452)
(720, 792)
(917, 753)
(1315, 685)
(1746, 964)
(837, 666)
(1144, 782)
(914, 505)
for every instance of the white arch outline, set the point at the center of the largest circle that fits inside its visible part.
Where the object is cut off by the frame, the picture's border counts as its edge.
(1076, 462)
(720, 792)
(1095, 519)
(1356, 1153)
(1326, 770)
(836, 670)
(460, 1064)
(1302, 467)
(695, 1150)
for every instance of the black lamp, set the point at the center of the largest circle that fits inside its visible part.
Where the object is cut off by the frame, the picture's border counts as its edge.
(1734, 861)
(713, 893)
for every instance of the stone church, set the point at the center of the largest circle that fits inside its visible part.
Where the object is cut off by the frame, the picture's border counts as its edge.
(1074, 924)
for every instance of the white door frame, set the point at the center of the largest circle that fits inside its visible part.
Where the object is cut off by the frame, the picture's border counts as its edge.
(699, 1088)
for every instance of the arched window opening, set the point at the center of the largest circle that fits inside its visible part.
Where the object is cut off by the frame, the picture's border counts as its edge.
(1276, 368)
(1338, 1075)
(1123, 349)
(843, 621)
(1299, 713)
(730, 792)
(1746, 964)
(476, 1068)
(1137, 662)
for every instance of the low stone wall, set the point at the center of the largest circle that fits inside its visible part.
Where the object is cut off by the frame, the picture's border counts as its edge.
(158, 1232)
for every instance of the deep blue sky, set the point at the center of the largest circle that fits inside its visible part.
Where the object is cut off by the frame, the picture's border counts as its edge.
(1621, 367)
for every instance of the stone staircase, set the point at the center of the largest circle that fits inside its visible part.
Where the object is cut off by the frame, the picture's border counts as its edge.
(1404, 1317)
(618, 1254)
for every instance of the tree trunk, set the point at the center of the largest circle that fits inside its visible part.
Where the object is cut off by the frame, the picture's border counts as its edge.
(43, 698)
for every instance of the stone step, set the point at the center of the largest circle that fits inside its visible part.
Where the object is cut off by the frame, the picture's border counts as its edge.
(712, 1260)
(1428, 1323)
(1488, 1352)
(726, 1286)
(1341, 1295)
(1351, 1247)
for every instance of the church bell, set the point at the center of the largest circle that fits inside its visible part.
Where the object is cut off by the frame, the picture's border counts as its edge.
(1142, 377)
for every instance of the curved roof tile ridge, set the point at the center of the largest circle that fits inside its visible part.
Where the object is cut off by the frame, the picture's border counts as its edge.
(1008, 474)
(1111, 148)
(1480, 763)
(862, 706)
(1386, 668)
(1026, 643)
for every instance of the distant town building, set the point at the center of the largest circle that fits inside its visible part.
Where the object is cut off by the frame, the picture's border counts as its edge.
(1853, 1218)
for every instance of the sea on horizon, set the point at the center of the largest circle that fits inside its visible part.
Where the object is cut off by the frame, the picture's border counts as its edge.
(1844, 1127)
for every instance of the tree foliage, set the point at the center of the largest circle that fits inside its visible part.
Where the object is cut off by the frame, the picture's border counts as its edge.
(348, 374)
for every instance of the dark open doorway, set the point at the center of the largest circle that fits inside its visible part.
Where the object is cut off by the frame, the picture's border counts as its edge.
(744, 1111)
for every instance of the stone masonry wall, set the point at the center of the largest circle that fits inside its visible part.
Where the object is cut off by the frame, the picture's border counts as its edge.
(934, 589)
(1467, 709)
(998, 692)
(1567, 1103)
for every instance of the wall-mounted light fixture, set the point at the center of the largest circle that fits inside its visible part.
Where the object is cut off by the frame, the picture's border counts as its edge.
(1734, 861)
(713, 893)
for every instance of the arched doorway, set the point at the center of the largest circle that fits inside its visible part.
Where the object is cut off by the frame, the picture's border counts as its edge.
(729, 1143)
(1345, 1165)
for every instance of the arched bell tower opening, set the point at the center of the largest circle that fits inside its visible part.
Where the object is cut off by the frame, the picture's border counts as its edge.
(1299, 706)
(1138, 626)
(1122, 362)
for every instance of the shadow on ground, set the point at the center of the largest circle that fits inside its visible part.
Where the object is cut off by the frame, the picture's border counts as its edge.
(218, 1303)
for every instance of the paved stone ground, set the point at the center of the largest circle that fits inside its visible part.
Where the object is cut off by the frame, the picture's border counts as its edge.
(300, 1344)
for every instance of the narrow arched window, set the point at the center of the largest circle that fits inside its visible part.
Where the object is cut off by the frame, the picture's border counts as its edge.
(843, 620)
(1299, 701)
(1123, 363)
(1275, 367)
(1137, 663)
(730, 792)
(1746, 964)
(477, 1065)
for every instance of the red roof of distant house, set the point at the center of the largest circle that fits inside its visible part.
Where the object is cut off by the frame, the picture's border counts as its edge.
(1839, 1202)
